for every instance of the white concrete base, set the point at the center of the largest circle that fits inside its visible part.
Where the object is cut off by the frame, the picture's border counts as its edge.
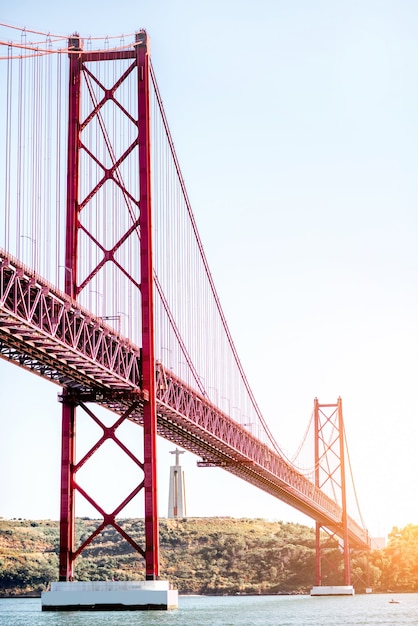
(133, 595)
(333, 590)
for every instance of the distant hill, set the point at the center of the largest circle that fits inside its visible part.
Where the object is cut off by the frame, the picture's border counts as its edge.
(199, 555)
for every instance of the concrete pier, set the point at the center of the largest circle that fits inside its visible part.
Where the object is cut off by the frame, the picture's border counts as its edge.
(135, 595)
(333, 590)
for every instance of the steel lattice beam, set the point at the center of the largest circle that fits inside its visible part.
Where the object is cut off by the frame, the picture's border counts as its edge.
(46, 326)
(184, 416)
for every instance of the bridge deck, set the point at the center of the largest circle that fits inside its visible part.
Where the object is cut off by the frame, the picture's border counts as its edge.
(44, 331)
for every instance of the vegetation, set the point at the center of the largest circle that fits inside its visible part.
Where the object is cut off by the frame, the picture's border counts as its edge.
(203, 555)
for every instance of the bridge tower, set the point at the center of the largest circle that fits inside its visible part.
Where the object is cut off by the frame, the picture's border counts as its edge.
(330, 475)
(90, 232)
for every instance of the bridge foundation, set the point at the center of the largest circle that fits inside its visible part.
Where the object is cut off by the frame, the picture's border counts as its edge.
(149, 595)
(333, 590)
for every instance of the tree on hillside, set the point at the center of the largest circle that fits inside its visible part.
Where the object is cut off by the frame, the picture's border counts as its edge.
(400, 564)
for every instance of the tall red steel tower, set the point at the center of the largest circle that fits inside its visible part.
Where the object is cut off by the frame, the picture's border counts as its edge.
(330, 475)
(85, 74)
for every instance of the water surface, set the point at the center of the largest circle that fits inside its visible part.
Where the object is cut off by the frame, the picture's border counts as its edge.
(232, 611)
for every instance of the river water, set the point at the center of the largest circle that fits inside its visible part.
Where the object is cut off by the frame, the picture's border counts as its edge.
(232, 611)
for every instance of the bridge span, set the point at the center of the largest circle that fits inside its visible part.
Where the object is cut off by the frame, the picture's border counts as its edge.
(105, 290)
(46, 332)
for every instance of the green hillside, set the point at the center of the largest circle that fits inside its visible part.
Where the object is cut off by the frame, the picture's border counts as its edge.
(201, 555)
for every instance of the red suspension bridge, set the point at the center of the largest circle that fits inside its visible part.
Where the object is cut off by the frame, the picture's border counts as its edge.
(105, 288)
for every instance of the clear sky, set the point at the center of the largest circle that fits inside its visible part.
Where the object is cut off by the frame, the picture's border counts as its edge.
(295, 123)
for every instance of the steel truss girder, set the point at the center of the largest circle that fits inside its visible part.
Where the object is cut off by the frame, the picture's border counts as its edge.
(41, 345)
(48, 327)
(232, 447)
